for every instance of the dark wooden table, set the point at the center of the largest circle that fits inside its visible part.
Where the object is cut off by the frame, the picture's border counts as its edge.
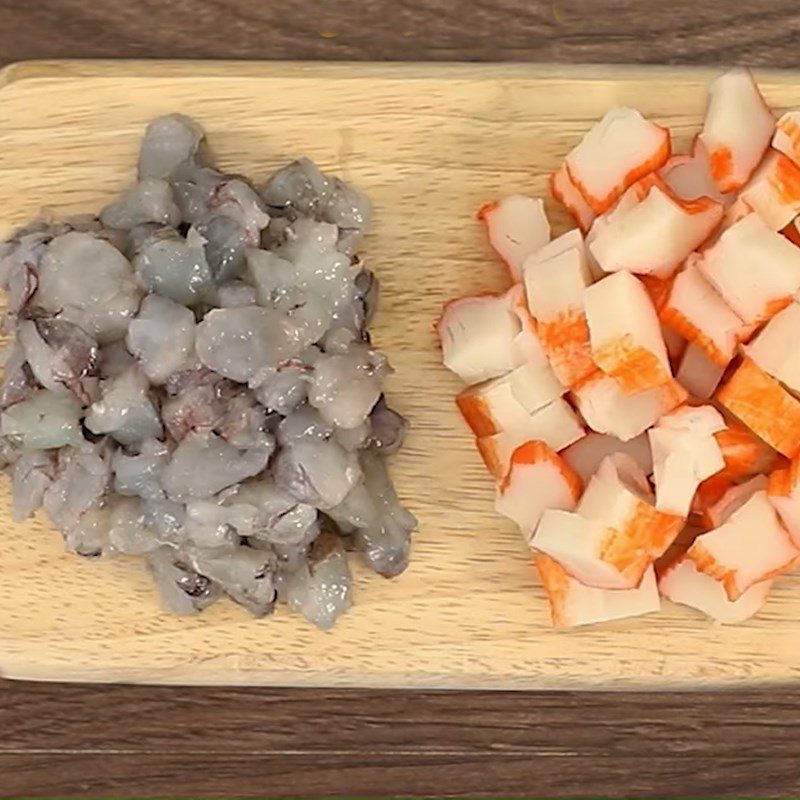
(135, 741)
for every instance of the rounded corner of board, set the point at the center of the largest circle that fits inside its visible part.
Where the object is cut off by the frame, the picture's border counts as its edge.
(13, 73)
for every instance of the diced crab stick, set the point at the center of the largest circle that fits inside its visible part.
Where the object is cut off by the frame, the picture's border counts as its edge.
(537, 479)
(571, 240)
(774, 191)
(657, 234)
(615, 533)
(507, 402)
(556, 425)
(689, 176)
(618, 150)
(563, 190)
(625, 333)
(555, 289)
(744, 453)
(517, 226)
(762, 404)
(607, 409)
(787, 136)
(750, 547)
(683, 583)
(572, 603)
(783, 491)
(585, 455)
(755, 269)
(697, 312)
(737, 129)
(776, 348)
(697, 373)
(718, 512)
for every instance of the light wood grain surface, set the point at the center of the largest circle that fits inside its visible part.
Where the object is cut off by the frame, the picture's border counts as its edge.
(428, 143)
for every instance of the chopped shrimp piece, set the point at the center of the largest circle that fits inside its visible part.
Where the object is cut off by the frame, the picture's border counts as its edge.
(657, 234)
(607, 409)
(683, 583)
(585, 455)
(737, 129)
(775, 349)
(689, 176)
(507, 402)
(787, 136)
(555, 290)
(537, 479)
(783, 491)
(749, 547)
(755, 269)
(718, 511)
(762, 404)
(572, 603)
(697, 312)
(697, 373)
(625, 333)
(774, 191)
(517, 226)
(556, 425)
(618, 150)
(563, 190)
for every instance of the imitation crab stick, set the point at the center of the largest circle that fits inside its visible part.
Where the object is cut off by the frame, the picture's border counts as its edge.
(745, 453)
(762, 404)
(749, 547)
(657, 234)
(563, 189)
(572, 603)
(689, 176)
(555, 290)
(585, 455)
(776, 348)
(715, 511)
(625, 334)
(697, 373)
(607, 409)
(537, 479)
(617, 151)
(698, 313)
(774, 191)
(737, 129)
(556, 425)
(681, 582)
(517, 226)
(783, 491)
(755, 269)
(787, 136)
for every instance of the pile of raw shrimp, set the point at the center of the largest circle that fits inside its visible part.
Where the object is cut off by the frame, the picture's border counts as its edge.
(191, 380)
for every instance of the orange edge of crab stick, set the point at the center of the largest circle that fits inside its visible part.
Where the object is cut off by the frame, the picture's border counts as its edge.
(762, 404)
(561, 197)
(658, 289)
(536, 452)
(555, 581)
(476, 413)
(681, 324)
(565, 340)
(634, 367)
(487, 447)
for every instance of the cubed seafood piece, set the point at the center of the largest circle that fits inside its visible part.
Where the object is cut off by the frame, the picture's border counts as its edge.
(517, 226)
(745, 453)
(774, 191)
(555, 291)
(783, 491)
(615, 533)
(698, 313)
(557, 425)
(537, 479)
(737, 129)
(657, 234)
(607, 409)
(572, 603)
(585, 455)
(755, 269)
(681, 582)
(714, 511)
(618, 150)
(764, 406)
(697, 373)
(625, 333)
(564, 191)
(776, 349)
(689, 176)
(749, 547)
(787, 136)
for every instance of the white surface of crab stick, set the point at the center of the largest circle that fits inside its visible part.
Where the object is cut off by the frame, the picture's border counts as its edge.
(783, 491)
(787, 136)
(563, 190)
(751, 546)
(682, 583)
(656, 235)
(718, 512)
(689, 176)
(585, 455)
(556, 425)
(776, 349)
(737, 128)
(517, 226)
(537, 479)
(697, 373)
(572, 603)
(698, 313)
(618, 150)
(607, 409)
(755, 269)
(625, 333)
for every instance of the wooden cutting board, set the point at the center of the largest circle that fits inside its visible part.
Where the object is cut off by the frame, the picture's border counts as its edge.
(429, 143)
